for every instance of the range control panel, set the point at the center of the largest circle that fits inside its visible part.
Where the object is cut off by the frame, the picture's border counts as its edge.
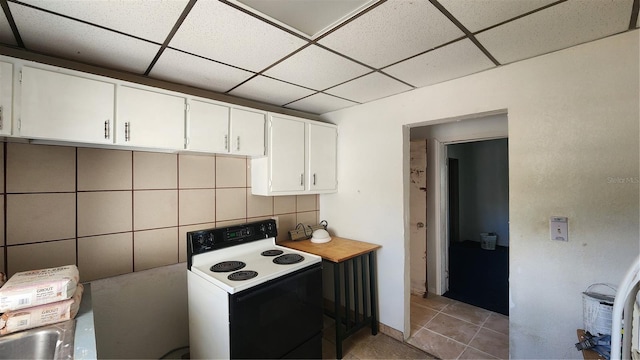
(202, 241)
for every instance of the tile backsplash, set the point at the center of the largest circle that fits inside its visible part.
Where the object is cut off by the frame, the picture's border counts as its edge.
(113, 212)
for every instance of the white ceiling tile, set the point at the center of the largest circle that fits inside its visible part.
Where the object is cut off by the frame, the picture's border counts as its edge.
(557, 27)
(449, 62)
(182, 68)
(220, 32)
(151, 20)
(320, 103)
(270, 91)
(316, 68)
(393, 31)
(476, 15)
(369, 87)
(6, 34)
(81, 42)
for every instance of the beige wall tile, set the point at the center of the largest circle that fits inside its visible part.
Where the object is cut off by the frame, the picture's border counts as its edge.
(231, 204)
(306, 203)
(258, 218)
(230, 222)
(104, 212)
(197, 206)
(40, 256)
(155, 170)
(40, 168)
(2, 240)
(40, 217)
(197, 171)
(259, 205)
(2, 168)
(285, 224)
(182, 241)
(308, 218)
(102, 169)
(155, 248)
(231, 172)
(155, 209)
(248, 172)
(104, 256)
(284, 204)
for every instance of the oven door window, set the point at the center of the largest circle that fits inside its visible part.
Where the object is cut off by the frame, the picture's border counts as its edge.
(276, 318)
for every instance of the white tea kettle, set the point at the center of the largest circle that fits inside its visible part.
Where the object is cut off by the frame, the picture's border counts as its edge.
(320, 236)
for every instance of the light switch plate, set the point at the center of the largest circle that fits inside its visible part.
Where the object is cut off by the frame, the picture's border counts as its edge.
(559, 228)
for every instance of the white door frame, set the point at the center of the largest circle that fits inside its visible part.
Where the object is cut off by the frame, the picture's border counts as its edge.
(442, 206)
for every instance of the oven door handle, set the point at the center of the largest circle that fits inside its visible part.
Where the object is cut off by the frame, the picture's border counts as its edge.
(253, 293)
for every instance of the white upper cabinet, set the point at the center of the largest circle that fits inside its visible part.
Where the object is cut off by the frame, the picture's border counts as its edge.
(286, 155)
(217, 128)
(322, 157)
(246, 132)
(208, 129)
(149, 119)
(301, 158)
(6, 97)
(65, 107)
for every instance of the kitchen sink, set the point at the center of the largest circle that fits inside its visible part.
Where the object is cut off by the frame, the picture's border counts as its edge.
(53, 341)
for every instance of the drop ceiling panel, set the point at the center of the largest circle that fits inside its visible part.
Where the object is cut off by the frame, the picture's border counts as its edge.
(75, 40)
(219, 32)
(476, 15)
(271, 91)
(122, 15)
(307, 17)
(320, 103)
(316, 68)
(178, 67)
(558, 27)
(369, 87)
(6, 34)
(393, 31)
(449, 62)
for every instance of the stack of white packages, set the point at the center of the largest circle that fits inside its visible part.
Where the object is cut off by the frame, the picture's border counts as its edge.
(40, 297)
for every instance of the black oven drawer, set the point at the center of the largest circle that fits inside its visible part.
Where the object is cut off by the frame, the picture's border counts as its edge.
(278, 318)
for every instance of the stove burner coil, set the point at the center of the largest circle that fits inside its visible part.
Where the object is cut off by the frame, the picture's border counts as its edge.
(274, 252)
(242, 275)
(227, 266)
(288, 259)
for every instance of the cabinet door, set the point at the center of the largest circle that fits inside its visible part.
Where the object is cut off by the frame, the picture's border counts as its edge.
(64, 107)
(286, 154)
(6, 97)
(150, 119)
(247, 132)
(208, 127)
(322, 157)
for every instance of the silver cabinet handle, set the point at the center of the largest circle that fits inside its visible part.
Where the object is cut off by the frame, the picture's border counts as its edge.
(127, 131)
(226, 142)
(238, 144)
(301, 179)
(107, 128)
(314, 179)
(1, 118)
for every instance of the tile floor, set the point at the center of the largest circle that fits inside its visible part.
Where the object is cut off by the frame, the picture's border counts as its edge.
(450, 329)
(440, 327)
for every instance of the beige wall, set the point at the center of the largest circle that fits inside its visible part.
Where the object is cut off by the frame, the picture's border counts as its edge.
(114, 212)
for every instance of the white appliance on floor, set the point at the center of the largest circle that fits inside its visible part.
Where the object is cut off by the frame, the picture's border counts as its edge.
(251, 298)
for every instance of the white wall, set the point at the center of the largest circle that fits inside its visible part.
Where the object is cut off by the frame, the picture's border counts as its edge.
(573, 129)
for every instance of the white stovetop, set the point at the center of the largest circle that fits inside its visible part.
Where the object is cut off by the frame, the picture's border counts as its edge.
(250, 254)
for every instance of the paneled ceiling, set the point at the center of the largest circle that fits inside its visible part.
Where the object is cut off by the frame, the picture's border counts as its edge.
(309, 55)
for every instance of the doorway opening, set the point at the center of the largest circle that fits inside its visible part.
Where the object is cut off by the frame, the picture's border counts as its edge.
(433, 189)
(478, 223)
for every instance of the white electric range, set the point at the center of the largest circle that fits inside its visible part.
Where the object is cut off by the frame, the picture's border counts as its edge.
(251, 298)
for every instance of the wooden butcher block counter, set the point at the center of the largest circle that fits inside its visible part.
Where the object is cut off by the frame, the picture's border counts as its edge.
(354, 283)
(337, 250)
